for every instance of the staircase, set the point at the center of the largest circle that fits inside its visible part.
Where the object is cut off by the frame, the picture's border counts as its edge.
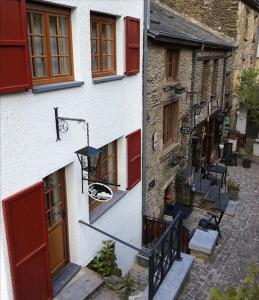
(207, 190)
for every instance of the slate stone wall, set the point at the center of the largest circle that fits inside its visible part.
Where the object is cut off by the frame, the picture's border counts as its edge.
(159, 171)
(233, 18)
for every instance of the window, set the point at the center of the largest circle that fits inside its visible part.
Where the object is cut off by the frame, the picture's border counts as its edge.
(49, 39)
(172, 61)
(103, 45)
(106, 170)
(170, 123)
(54, 186)
(227, 83)
(246, 25)
(204, 80)
(214, 83)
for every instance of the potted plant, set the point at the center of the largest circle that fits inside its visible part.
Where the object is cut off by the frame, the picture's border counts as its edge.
(232, 133)
(233, 189)
(246, 160)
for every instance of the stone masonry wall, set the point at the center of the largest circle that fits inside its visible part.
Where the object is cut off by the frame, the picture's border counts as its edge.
(233, 18)
(159, 171)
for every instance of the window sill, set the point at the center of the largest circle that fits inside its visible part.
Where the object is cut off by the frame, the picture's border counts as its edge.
(97, 212)
(169, 148)
(55, 86)
(107, 78)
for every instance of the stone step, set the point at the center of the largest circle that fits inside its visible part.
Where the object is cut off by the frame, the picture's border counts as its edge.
(231, 208)
(62, 278)
(174, 280)
(82, 286)
(104, 294)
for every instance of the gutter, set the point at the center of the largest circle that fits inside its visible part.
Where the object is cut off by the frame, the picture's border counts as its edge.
(144, 104)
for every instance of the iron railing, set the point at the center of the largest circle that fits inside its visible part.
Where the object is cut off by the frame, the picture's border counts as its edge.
(165, 252)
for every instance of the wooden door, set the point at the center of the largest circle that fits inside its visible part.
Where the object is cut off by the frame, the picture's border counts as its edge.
(26, 232)
(55, 198)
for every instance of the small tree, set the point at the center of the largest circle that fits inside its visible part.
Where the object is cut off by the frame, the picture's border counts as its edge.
(248, 91)
(249, 291)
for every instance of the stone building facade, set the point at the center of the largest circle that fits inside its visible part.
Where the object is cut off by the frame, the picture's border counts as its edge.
(201, 69)
(237, 19)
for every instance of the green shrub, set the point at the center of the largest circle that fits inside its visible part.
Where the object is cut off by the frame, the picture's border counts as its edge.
(104, 262)
(249, 291)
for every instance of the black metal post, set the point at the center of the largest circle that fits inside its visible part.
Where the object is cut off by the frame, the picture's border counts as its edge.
(151, 277)
(179, 230)
(56, 121)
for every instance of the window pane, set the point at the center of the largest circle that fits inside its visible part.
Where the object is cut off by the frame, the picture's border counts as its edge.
(38, 46)
(94, 30)
(54, 46)
(109, 62)
(109, 33)
(95, 66)
(94, 47)
(63, 26)
(55, 67)
(28, 22)
(39, 66)
(63, 46)
(104, 62)
(64, 65)
(37, 24)
(109, 47)
(53, 25)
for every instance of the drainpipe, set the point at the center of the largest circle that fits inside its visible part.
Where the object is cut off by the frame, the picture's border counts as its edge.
(144, 103)
(194, 55)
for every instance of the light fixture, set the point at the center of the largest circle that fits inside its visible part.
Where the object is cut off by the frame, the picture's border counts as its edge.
(179, 89)
(88, 158)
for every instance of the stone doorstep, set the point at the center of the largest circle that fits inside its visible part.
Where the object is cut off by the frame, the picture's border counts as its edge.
(83, 285)
(231, 208)
(174, 280)
(203, 243)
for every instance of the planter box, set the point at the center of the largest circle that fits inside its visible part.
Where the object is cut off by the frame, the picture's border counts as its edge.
(233, 195)
(246, 163)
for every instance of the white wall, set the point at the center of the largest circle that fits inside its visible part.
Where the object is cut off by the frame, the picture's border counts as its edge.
(29, 150)
(241, 120)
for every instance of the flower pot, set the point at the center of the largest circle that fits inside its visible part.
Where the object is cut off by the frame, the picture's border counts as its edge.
(246, 163)
(233, 195)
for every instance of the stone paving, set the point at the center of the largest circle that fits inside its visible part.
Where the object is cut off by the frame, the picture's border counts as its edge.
(239, 246)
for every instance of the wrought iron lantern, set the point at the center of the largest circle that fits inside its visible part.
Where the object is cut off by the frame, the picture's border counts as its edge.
(88, 158)
(179, 89)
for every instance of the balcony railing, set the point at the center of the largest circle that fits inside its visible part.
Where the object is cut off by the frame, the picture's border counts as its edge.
(165, 252)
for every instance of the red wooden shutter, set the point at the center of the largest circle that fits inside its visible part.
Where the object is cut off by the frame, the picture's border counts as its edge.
(26, 231)
(134, 158)
(15, 72)
(132, 45)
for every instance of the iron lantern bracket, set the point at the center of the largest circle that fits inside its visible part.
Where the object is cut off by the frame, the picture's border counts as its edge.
(62, 123)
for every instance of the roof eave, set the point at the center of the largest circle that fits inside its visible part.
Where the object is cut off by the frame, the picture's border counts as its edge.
(169, 38)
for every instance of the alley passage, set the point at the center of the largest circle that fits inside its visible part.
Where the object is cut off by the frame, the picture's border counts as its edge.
(239, 246)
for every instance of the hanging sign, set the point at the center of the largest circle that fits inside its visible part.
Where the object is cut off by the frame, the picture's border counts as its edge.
(100, 192)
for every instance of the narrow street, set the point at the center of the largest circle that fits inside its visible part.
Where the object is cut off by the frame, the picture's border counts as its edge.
(239, 246)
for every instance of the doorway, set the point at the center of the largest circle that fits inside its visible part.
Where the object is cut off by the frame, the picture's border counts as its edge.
(56, 215)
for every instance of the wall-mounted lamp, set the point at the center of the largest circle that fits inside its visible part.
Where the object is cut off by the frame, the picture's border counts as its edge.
(179, 89)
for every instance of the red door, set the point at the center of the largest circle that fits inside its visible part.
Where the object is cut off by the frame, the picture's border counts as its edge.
(26, 231)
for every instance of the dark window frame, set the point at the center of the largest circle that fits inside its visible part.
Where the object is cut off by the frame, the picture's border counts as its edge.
(172, 64)
(98, 175)
(170, 123)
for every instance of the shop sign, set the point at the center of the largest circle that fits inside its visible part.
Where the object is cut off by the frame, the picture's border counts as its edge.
(100, 192)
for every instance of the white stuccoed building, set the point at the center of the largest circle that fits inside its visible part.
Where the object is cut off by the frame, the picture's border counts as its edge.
(83, 57)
